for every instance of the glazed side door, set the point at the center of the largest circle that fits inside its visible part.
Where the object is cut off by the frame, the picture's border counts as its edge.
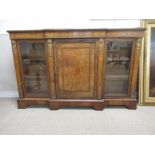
(33, 68)
(119, 68)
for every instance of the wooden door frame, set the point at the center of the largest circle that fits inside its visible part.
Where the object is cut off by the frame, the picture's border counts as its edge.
(21, 65)
(133, 40)
(78, 40)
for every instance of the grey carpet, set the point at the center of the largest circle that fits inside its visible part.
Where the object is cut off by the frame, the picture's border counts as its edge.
(41, 120)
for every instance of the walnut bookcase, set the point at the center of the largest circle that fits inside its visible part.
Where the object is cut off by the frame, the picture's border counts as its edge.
(77, 67)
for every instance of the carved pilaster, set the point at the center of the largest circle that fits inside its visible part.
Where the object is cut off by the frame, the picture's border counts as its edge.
(17, 68)
(51, 67)
(13, 42)
(100, 68)
(50, 47)
(138, 44)
(101, 45)
(133, 94)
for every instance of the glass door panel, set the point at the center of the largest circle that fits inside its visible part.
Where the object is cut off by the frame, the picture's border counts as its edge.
(117, 67)
(34, 69)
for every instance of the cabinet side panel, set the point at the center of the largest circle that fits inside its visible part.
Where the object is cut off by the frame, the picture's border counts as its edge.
(135, 68)
(17, 68)
(100, 71)
(51, 69)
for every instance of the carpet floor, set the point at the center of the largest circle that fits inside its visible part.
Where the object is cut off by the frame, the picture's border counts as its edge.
(74, 121)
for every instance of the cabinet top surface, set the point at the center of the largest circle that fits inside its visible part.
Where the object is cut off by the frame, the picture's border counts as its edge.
(96, 29)
(76, 33)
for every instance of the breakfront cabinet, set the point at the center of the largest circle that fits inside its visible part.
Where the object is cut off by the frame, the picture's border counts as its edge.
(77, 67)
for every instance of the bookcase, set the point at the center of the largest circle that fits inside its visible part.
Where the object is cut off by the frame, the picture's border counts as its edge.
(77, 67)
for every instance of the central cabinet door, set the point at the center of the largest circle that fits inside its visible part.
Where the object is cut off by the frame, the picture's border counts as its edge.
(75, 68)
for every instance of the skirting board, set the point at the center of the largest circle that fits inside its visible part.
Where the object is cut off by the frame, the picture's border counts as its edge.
(9, 94)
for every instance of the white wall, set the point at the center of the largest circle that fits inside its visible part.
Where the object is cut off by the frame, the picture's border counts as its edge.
(8, 86)
(67, 23)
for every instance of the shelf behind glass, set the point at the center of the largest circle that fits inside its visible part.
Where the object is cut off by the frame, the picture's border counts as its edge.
(34, 68)
(117, 68)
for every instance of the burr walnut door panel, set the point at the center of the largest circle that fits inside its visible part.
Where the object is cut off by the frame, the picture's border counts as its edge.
(75, 69)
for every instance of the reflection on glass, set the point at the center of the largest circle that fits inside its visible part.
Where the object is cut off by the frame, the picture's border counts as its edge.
(117, 68)
(152, 64)
(34, 68)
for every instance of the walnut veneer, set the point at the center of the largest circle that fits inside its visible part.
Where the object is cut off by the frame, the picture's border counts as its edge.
(77, 67)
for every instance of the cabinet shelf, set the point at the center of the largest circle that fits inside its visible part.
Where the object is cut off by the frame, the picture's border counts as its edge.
(35, 76)
(115, 95)
(42, 94)
(33, 59)
(118, 71)
(113, 50)
(29, 61)
(122, 59)
(125, 76)
(33, 56)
